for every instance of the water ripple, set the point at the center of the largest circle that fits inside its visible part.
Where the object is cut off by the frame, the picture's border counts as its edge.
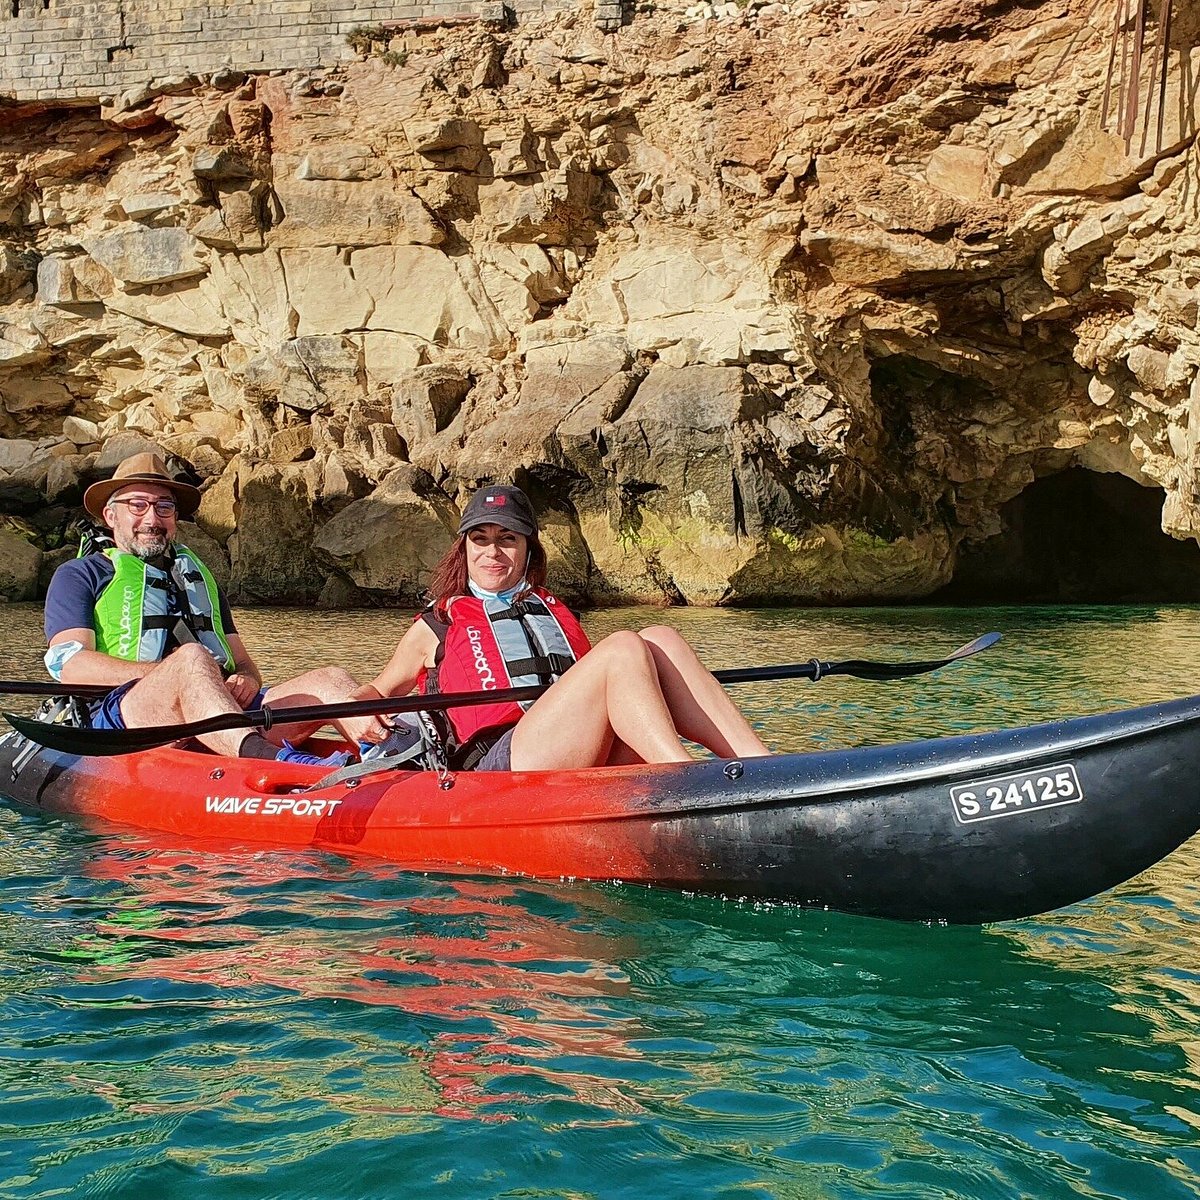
(252, 1023)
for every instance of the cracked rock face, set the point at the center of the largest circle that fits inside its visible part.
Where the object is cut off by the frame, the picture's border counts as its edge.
(784, 305)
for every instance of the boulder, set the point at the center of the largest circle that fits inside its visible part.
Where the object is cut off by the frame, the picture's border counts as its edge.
(17, 453)
(388, 543)
(271, 549)
(20, 563)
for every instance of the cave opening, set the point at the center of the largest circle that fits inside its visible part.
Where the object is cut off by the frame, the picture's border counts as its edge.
(1078, 537)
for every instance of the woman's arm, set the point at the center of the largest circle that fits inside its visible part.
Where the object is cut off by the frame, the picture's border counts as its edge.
(415, 653)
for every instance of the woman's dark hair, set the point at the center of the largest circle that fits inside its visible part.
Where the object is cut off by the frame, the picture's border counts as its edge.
(449, 578)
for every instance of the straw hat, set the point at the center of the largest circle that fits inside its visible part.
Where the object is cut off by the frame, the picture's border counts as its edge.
(141, 468)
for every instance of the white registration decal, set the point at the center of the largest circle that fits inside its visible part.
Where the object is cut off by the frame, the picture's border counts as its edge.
(1007, 795)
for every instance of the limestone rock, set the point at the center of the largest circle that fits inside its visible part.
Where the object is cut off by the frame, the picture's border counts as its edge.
(425, 400)
(20, 563)
(321, 212)
(450, 144)
(570, 390)
(685, 522)
(960, 171)
(789, 304)
(387, 357)
(211, 552)
(236, 224)
(713, 302)
(420, 291)
(182, 308)
(271, 550)
(20, 345)
(323, 291)
(388, 543)
(875, 259)
(17, 270)
(141, 256)
(341, 161)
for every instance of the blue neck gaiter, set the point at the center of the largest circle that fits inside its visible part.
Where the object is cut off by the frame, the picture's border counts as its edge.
(506, 597)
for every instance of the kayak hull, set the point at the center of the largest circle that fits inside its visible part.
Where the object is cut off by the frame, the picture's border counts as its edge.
(968, 829)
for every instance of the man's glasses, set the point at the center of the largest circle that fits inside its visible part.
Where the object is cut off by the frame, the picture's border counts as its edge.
(140, 507)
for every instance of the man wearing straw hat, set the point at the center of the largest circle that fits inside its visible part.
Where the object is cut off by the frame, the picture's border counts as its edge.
(147, 617)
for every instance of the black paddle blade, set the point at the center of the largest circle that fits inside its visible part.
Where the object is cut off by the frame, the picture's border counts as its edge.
(882, 670)
(70, 739)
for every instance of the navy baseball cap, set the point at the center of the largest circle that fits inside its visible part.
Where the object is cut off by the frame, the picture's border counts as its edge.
(501, 505)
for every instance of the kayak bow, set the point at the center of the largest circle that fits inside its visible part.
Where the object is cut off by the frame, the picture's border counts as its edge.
(968, 829)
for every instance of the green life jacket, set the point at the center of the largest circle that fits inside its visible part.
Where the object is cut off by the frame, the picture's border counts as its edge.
(132, 615)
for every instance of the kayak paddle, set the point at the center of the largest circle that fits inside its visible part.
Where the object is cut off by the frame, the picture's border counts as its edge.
(104, 742)
(85, 691)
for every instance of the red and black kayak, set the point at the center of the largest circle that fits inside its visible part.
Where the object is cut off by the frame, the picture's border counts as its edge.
(969, 829)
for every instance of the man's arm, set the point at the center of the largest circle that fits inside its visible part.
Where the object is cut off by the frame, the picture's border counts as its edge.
(70, 604)
(89, 665)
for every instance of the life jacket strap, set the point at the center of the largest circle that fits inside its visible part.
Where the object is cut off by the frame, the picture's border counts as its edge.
(545, 666)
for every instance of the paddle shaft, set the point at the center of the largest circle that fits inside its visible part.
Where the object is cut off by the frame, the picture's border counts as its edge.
(123, 741)
(85, 691)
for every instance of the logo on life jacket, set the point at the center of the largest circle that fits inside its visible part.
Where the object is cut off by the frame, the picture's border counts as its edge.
(487, 681)
(125, 639)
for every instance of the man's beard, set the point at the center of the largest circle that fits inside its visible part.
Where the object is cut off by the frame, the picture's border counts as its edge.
(150, 544)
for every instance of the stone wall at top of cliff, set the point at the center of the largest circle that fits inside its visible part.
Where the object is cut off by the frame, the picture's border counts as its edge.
(54, 50)
(781, 304)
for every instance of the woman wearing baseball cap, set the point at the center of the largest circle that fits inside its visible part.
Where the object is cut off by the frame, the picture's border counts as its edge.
(492, 625)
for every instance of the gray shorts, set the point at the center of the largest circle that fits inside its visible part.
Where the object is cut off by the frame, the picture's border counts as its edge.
(499, 757)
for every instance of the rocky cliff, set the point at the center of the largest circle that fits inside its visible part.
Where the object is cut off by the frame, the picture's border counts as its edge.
(776, 302)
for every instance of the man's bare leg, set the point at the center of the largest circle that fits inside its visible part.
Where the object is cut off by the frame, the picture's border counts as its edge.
(185, 686)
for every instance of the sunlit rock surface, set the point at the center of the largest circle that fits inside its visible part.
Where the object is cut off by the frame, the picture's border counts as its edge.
(779, 303)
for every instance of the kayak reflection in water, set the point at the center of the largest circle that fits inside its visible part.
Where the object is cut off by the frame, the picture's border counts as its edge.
(492, 625)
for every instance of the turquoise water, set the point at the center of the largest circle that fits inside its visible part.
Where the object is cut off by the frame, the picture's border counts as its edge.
(260, 1023)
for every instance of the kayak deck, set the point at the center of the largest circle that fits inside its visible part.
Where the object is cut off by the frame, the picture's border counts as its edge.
(974, 828)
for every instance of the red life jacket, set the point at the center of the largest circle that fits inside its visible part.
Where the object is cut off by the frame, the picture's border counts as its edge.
(490, 645)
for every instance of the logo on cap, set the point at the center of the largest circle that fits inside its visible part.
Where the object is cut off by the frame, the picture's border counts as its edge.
(498, 501)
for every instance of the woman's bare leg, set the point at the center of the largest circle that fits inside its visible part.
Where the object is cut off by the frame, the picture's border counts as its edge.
(325, 685)
(700, 707)
(611, 694)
